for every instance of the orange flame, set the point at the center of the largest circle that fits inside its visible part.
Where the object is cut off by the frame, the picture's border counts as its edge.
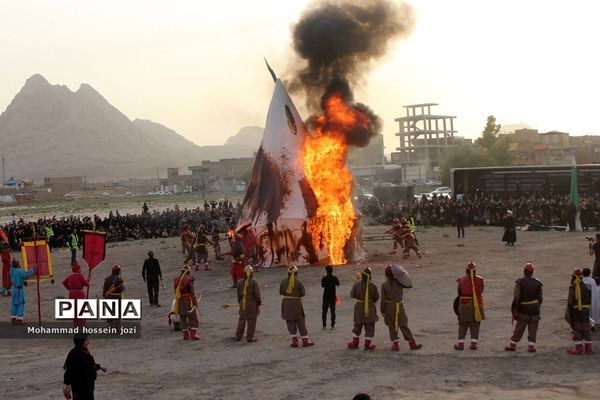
(230, 233)
(325, 168)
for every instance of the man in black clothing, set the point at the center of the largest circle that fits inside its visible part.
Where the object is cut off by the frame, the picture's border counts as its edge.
(151, 274)
(595, 251)
(459, 219)
(510, 234)
(525, 308)
(328, 283)
(80, 370)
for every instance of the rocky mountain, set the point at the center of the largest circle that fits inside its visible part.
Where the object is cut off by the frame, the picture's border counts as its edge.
(48, 130)
(248, 135)
(179, 147)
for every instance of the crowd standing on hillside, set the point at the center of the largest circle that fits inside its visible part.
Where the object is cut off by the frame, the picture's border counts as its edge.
(215, 216)
(536, 211)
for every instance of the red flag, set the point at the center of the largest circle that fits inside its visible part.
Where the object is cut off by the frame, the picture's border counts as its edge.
(94, 248)
(3, 236)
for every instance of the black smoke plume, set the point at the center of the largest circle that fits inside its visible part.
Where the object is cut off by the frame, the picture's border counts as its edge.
(358, 135)
(339, 41)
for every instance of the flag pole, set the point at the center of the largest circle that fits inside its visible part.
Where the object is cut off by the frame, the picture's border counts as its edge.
(89, 278)
(271, 71)
(574, 195)
(37, 274)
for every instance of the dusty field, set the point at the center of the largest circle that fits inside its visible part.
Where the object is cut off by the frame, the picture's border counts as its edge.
(160, 365)
(82, 206)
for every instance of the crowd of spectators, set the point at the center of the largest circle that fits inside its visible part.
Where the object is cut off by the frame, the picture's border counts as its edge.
(535, 211)
(215, 216)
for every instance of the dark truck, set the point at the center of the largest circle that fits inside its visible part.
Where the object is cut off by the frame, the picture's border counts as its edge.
(394, 193)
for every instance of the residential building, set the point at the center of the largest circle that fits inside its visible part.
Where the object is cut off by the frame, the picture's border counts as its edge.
(587, 148)
(226, 175)
(533, 148)
(64, 184)
(176, 183)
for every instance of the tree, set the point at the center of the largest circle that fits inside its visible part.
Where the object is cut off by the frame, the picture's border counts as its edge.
(464, 157)
(500, 152)
(491, 150)
(489, 136)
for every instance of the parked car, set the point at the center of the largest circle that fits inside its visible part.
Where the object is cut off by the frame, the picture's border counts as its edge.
(433, 183)
(442, 189)
(383, 184)
(106, 194)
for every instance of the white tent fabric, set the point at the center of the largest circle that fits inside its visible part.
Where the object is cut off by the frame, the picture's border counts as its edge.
(279, 154)
(279, 200)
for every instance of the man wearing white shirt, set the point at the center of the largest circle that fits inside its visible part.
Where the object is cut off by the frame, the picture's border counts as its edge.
(595, 310)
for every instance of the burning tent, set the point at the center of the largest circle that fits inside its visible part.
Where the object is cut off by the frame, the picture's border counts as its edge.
(287, 211)
(279, 201)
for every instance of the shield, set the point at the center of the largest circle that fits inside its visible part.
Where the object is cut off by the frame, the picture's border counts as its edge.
(455, 305)
(401, 275)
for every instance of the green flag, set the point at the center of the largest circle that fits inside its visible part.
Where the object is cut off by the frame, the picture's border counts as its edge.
(574, 191)
(575, 197)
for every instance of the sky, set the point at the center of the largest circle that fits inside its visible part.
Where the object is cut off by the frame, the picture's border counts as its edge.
(197, 66)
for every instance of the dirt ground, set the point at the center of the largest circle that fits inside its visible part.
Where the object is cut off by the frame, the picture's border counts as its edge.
(160, 365)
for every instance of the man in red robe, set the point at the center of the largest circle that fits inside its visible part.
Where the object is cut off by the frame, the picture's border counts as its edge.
(75, 283)
(187, 243)
(470, 307)
(186, 304)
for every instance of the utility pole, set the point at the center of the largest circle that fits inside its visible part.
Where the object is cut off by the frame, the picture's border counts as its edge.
(157, 179)
(3, 177)
(85, 186)
(134, 185)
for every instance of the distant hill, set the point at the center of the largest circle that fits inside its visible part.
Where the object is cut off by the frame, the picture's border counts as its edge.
(248, 136)
(48, 130)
